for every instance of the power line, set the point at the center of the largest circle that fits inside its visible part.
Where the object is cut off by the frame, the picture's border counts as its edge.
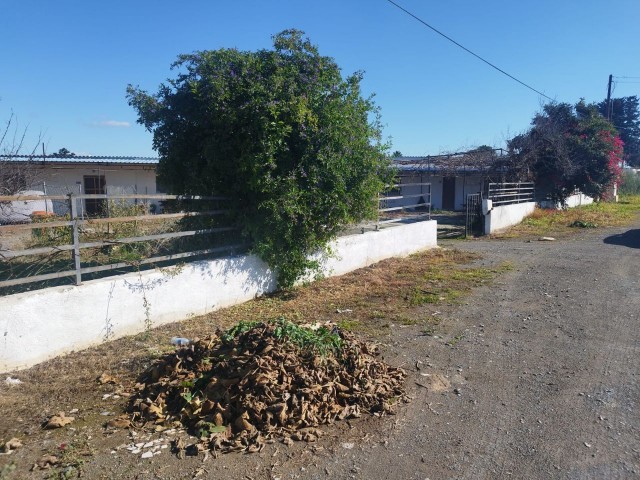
(468, 51)
(623, 76)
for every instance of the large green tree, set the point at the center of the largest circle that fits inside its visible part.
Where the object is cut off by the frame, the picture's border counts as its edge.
(281, 132)
(625, 116)
(568, 147)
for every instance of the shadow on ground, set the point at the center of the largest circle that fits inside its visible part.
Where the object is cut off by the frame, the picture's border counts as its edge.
(630, 238)
(450, 224)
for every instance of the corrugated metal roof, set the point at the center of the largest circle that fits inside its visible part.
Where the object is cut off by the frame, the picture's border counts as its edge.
(82, 159)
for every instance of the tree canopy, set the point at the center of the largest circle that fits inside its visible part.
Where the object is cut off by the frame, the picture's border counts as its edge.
(569, 147)
(625, 116)
(62, 153)
(281, 132)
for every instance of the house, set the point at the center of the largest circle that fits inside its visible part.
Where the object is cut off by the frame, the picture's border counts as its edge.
(61, 175)
(452, 177)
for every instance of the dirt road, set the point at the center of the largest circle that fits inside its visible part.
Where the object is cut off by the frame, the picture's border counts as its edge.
(535, 377)
(547, 372)
(544, 377)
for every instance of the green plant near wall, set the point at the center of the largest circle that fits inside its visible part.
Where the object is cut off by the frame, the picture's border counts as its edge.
(294, 144)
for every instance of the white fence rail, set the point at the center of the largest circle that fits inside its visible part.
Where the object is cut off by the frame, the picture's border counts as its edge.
(398, 205)
(510, 193)
(74, 252)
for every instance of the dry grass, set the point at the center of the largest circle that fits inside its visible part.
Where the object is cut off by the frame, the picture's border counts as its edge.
(558, 223)
(370, 301)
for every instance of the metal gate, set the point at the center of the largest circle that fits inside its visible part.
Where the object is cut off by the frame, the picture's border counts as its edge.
(475, 219)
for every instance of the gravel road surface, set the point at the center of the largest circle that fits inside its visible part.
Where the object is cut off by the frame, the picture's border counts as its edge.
(544, 379)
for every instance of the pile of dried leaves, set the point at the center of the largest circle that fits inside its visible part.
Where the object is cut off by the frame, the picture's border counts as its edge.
(238, 389)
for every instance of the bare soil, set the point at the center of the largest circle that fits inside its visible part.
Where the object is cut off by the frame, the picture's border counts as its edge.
(532, 374)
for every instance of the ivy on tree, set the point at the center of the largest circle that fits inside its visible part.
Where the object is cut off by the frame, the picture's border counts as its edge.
(568, 147)
(282, 133)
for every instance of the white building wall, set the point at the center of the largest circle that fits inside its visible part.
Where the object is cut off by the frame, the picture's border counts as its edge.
(60, 179)
(422, 190)
(464, 186)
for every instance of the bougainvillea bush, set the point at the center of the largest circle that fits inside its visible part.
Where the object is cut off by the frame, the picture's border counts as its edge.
(567, 148)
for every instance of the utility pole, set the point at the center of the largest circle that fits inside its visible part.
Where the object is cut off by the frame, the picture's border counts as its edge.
(609, 98)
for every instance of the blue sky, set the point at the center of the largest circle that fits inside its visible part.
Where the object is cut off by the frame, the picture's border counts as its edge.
(66, 64)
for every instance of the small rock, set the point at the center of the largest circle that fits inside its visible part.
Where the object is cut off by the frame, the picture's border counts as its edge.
(546, 239)
(12, 382)
(146, 455)
(348, 445)
(588, 445)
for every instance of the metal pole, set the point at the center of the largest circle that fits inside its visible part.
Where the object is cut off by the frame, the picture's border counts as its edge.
(44, 190)
(609, 98)
(466, 221)
(76, 238)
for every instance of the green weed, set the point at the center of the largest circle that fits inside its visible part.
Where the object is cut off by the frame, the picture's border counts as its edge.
(349, 325)
(320, 340)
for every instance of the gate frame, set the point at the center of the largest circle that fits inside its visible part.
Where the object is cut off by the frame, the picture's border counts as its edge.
(474, 211)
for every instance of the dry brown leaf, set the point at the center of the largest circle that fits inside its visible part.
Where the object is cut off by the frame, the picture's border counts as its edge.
(58, 421)
(106, 378)
(119, 422)
(46, 462)
(257, 383)
(10, 445)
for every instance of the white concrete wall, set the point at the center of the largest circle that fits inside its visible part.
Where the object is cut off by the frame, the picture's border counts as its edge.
(575, 200)
(504, 216)
(45, 323)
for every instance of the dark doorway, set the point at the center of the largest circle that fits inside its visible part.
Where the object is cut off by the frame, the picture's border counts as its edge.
(448, 193)
(94, 185)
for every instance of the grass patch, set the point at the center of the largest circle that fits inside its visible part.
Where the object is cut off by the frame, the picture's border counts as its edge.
(559, 223)
(450, 285)
(349, 325)
(408, 321)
